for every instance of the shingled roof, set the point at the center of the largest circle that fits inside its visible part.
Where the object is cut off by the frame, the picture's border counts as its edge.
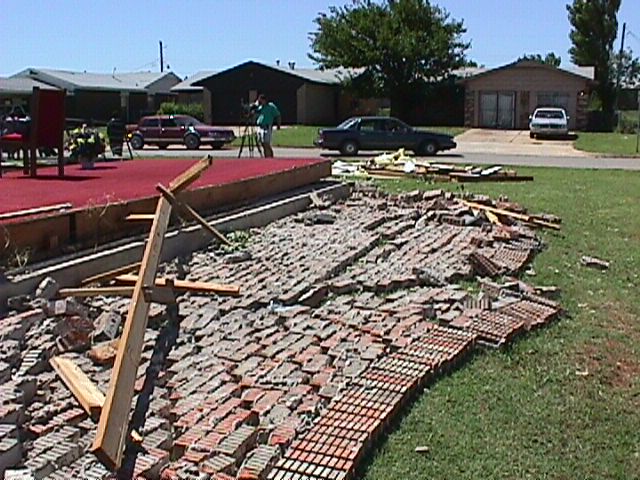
(69, 80)
(21, 85)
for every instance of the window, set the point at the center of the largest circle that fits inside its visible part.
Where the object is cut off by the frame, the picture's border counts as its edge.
(150, 122)
(367, 126)
(556, 114)
(168, 123)
(393, 125)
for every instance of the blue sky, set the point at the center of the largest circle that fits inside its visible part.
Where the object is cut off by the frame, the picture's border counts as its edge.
(103, 35)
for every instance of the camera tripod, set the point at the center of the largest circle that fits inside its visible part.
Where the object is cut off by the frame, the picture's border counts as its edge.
(250, 138)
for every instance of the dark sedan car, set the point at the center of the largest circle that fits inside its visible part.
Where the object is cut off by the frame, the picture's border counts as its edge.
(165, 130)
(381, 133)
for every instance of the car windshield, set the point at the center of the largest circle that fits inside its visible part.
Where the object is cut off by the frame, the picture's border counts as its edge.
(187, 121)
(550, 114)
(349, 124)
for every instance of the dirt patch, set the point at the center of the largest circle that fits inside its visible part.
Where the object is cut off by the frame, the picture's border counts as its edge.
(613, 361)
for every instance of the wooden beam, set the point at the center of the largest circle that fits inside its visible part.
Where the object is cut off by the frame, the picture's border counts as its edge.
(83, 389)
(109, 443)
(103, 277)
(35, 211)
(180, 205)
(187, 286)
(507, 213)
(140, 217)
(191, 175)
(121, 291)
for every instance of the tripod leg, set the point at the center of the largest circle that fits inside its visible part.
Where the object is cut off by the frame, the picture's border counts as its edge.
(244, 139)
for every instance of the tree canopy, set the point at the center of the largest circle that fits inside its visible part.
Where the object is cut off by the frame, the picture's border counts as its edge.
(627, 66)
(549, 59)
(594, 30)
(398, 45)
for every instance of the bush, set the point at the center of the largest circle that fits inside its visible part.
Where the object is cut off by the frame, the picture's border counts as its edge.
(628, 122)
(193, 109)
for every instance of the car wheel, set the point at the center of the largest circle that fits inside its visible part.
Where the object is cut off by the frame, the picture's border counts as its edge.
(137, 142)
(429, 149)
(532, 135)
(192, 142)
(217, 145)
(349, 148)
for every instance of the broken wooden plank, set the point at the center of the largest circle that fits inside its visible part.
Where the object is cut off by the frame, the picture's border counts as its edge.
(518, 216)
(111, 274)
(471, 177)
(139, 217)
(109, 443)
(122, 291)
(191, 175)
(492, 217)
(180, 205)
(186, 285)
(83, 389)
(35, 211)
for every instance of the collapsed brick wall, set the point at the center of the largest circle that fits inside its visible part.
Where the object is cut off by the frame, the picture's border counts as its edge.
(346, 313)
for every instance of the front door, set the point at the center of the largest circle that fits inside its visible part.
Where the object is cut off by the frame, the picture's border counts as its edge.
(497, 109)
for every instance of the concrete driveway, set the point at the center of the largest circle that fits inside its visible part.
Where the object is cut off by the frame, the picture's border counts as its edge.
(514, 142)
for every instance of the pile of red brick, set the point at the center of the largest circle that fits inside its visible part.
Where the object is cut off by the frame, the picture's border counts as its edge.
(346, 315)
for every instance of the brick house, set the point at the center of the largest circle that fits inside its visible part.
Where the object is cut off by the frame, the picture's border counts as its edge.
(504, 97)
(305, 96)
(95, 96)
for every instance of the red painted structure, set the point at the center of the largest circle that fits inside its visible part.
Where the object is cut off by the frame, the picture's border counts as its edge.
(102, 198)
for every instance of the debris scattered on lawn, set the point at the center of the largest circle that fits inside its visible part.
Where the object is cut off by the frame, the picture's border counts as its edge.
(594, 262)
(398, 165)
(356, 305)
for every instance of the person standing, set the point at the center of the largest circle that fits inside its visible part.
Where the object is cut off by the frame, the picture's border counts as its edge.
(266, 115)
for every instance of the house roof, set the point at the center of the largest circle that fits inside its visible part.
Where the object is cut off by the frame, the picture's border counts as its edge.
(329, 76)
(69, 80)
(21, 85)
(187, 85)
(586, 73)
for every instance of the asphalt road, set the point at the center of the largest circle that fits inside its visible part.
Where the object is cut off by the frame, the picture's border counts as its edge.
(489, 158)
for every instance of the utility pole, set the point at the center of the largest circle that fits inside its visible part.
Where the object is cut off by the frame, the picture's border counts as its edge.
(162, 56)
(619, 72)
(638, 130)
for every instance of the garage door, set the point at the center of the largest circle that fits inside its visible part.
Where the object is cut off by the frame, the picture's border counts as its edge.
(497, 109)
(553, 99)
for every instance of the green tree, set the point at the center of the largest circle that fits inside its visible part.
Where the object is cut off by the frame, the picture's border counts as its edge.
(549, 59)
(627, 66)
(398, 46)
(594, 30)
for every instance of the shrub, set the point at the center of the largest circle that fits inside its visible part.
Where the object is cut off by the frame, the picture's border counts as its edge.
(628, 122)
(193, 109)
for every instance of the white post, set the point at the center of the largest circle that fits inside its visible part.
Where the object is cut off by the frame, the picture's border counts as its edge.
(638, 129)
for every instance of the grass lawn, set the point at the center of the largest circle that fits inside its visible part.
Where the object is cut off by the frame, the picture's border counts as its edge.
(304, 135)
(562, 402)
(607, 143)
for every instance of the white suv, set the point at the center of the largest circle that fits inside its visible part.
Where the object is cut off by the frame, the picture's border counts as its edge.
(548, 121)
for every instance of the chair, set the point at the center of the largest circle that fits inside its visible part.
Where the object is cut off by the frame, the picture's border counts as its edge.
(46, 130)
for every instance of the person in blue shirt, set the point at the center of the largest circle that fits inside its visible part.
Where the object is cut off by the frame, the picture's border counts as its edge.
(266, 115)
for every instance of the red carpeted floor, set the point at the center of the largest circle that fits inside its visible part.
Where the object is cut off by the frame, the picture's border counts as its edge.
(119, 181)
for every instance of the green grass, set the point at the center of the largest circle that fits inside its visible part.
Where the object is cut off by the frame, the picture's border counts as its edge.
(301, 136)
(607, 143)
(563, 402)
